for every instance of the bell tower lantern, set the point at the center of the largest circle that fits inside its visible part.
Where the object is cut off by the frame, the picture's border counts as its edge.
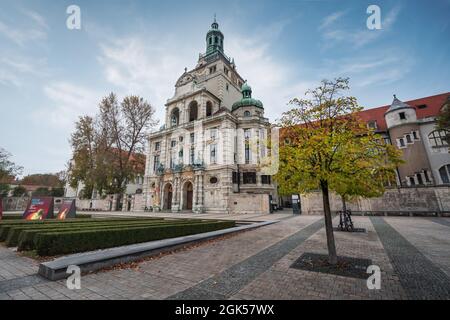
(214, 38)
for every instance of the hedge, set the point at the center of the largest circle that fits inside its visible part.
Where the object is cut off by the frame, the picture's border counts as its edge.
(27, 238)
(12, 232)
(5, 226)
(20, 216)
(53, 243)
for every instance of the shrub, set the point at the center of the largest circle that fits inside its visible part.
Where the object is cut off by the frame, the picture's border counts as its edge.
(6, 226)
(12, 236)
(27, 237)
(53, 243)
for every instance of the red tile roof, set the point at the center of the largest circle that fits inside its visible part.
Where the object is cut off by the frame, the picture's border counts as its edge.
(433, 106)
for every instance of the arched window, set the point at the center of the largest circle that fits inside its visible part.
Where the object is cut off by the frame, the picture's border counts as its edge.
(174, 117)
(216, 40)
(444, 172)
(193, 111)
(438, 138)
(247, 114)
(210, 40)
(209, 108)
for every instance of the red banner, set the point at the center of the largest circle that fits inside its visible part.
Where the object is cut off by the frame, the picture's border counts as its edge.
(39, 208)
(68, 210)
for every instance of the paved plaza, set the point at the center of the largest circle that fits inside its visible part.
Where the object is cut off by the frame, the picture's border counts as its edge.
(413, 254)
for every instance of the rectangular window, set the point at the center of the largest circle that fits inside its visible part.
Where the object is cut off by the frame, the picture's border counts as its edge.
(225, 70)
(247, 134)
(173, 143)
(402, 115)
(247, 152)
(427, 177)
(265, 179)
(213, 153)
(235, 177)
(192, 156)
(155, 163)
(419, 178)
(412, 182)
(213, 133)
(212, 69)
(157, 146)
(408, 138)
(192, 136)
(249, 177)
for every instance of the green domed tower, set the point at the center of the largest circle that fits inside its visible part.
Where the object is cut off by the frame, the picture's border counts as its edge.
(247, 100)
(214, 38)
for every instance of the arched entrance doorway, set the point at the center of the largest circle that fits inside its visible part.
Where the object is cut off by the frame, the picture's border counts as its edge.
(188, 192)
(167, 197)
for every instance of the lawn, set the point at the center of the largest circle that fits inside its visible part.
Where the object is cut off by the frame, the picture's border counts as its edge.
(55, 237)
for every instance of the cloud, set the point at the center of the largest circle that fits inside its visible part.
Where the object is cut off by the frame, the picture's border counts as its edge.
(330, 19)
(274, 81)
(359, 38)
(13, 70)
(67, 103)
(22, 35)
(137, 65)
(377, 68)
(19, 36)
(37, 18)
(149, 65)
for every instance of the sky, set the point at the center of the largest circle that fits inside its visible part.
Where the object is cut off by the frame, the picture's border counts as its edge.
(50, 75)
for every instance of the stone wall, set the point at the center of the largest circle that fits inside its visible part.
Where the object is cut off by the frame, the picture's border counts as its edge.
(424, 199)
(244, 203)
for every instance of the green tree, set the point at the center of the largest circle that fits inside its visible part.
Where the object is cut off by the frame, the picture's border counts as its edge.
(327, 147)
(444, 119)
(19, 191)
(42, 192)
(57, 192)
(106, 148)
(8, 170)
(46, 179)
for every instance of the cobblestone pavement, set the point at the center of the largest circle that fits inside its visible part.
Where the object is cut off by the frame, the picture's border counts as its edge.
(257, 265)
(420, 278)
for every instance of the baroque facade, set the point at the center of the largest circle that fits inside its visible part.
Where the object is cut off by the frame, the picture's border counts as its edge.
(207, 156)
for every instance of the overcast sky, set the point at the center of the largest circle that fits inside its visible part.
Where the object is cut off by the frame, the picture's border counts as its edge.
(50, 75)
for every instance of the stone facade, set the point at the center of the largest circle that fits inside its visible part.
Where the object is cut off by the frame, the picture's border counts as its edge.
(394, 200)
(207, 156)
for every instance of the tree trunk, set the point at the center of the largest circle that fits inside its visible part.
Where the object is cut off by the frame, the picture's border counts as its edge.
(344, 204)
(332, 257)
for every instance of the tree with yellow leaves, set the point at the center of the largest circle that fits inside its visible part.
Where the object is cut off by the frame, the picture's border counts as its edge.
(324, 145)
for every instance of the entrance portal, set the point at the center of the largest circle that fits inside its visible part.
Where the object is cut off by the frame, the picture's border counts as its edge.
(167, 197)
(188, 192)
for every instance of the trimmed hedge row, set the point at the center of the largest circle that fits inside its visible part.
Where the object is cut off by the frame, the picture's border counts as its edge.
(12, 239)
(13, 232)
(26, 240)
(53, 243)
(20, 216)
(6, 226)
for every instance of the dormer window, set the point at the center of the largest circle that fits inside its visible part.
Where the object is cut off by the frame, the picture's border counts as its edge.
(247, 114)
(402, 116)
(372, 125)
(421, 106)
(408, 138)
